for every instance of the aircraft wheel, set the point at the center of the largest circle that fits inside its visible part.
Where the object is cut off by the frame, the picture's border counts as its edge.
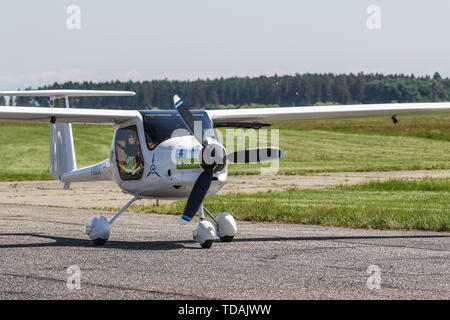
(226, 227)
(98, 230)
(205, 234)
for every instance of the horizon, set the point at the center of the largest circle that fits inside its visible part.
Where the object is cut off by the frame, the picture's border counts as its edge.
(426, 76)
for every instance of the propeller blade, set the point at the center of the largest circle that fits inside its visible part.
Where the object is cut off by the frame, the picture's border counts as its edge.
(188, 119)
(197, 195)
(204, 181)
(255, 155)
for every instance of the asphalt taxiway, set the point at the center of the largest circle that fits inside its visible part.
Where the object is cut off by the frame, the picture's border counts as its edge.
(150, 257)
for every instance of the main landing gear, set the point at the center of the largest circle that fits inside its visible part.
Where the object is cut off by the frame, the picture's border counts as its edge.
(206, 233)
(223, 227)
(99, 228)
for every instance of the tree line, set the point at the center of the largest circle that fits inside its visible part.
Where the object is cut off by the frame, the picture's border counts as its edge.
(288, 90)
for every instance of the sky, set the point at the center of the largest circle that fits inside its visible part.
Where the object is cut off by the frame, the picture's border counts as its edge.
(41, 41)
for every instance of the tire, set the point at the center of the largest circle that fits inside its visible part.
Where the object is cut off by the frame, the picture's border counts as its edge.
(99, 242)
(227, 239)
(207, 244)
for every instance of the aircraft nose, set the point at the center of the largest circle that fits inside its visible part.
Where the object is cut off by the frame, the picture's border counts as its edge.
(189, 154)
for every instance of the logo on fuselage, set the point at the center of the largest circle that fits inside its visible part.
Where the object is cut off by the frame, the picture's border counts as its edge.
(153, 168)
(187, 161)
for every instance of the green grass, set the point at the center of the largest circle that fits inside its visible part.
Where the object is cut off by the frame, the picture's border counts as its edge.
(422, 204)
(430, 125)
(419, 141)
(330, 151)
(25, 149)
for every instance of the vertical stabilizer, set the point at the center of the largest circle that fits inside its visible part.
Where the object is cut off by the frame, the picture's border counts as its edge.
(62, 151)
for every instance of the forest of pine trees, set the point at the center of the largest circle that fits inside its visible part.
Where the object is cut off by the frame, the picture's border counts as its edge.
(289, 90)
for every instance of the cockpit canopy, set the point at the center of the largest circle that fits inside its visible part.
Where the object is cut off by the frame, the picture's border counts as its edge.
(160, 126)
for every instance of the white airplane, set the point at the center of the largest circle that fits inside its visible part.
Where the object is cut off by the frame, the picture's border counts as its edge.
(171, 154)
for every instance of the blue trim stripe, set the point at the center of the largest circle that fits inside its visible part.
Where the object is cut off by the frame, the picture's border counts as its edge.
(186, 218)
(179, 104)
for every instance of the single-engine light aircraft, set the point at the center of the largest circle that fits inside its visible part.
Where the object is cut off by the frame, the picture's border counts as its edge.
(173, 154)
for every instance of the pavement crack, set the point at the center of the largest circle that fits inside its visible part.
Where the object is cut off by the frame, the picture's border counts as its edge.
(391, 246)
(115, 287)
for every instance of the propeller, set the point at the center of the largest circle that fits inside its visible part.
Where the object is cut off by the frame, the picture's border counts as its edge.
(197, 195)
(189, 120)
(214, 158)
(204, 181)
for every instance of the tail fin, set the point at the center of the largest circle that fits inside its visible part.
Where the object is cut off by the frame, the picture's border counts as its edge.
(62, 154)
(62, 151)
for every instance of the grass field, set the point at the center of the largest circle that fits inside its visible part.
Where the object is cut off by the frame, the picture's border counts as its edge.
(419, 141)
(430, 125)
(25, 149)
(421, 204)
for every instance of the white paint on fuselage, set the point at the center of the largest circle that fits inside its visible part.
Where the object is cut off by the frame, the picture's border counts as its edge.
(170, 182)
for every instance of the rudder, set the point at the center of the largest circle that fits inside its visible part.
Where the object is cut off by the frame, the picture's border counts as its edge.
(62, 151)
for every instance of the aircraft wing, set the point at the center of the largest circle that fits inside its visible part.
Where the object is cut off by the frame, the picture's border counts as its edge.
(66, 115)
(67, 93)
(320, 112)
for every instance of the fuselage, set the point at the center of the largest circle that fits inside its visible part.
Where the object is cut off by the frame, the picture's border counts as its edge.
(156, 157)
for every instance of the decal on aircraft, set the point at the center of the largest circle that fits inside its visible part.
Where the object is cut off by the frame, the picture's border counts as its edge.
(184, 162)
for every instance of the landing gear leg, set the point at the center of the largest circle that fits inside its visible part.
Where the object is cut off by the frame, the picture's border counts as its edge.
(201, 213)
(99, 228)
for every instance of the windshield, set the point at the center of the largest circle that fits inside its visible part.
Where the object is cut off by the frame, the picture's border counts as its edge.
(162, 125)
(128, 154)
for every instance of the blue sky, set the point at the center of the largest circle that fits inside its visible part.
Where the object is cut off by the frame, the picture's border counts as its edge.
(179, 39)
